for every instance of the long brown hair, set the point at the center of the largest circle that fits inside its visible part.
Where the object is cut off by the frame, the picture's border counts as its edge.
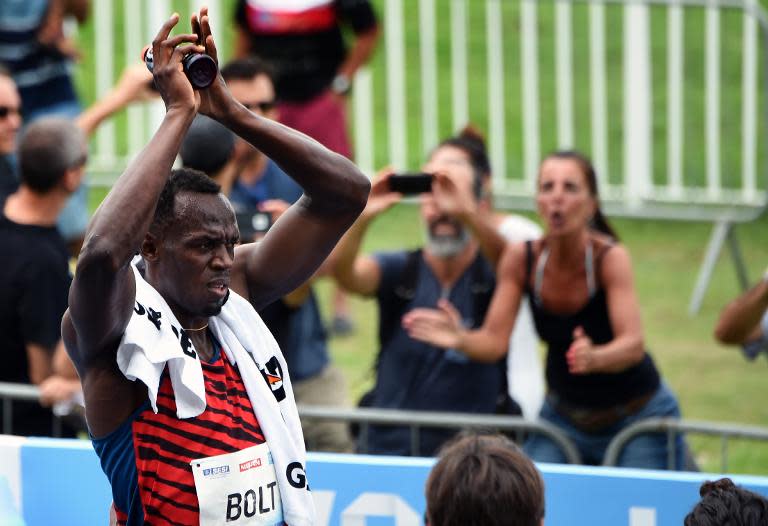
(599, 222)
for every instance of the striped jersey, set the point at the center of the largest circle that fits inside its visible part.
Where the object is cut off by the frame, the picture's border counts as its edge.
(147, 459)
(42, 74)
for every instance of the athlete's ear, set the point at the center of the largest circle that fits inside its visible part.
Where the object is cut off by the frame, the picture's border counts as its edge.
(150, 246)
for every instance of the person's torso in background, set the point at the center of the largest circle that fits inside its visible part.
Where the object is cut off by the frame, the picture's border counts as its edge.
(42, 73)
(417, 376)
(302, 40)
(33, 296)
(301, 335)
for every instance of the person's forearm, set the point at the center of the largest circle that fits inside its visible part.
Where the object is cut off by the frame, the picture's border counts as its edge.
(331, 181)
(120, 223)
(617, 355)
(346, 253)
(492, 243)
(482, 346)
(360, 52)
(95, 114)
(740, 317)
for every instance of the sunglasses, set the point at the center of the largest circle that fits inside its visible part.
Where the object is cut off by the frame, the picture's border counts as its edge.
(5, 111)
(263, 106)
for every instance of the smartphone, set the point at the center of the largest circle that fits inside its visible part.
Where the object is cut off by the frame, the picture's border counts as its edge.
(251, 224)
(410, 184)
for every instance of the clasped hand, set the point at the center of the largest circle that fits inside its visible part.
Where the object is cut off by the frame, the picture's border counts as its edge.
(173, 85)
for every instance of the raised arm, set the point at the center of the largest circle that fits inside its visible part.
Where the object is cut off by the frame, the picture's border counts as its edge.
(335, 193)
(102, 293)
(134, 85)
(452, 201)
(353, 271)
(442, 327)
(739, 322)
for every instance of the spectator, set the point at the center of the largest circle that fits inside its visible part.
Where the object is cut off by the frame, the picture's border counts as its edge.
(313, 71)
(62, 384)
(484, 480)
(10, 123)
(524, 370)
(294, 320)
(34, 47)
(412, 374)
(259, 178)
(744, 321)
(724, 503)
(35, 262)
(578, 279)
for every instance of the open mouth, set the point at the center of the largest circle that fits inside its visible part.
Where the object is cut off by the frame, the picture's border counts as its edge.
(219, 287)
(557, 219)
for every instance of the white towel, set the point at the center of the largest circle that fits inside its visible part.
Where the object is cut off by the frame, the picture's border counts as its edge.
(150, 342)
(146, 348)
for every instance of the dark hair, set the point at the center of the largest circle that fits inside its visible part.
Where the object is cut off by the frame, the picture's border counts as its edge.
(207, 146)
(484, 480)
(472, 143)
(723, 502)
(246, 69)
(599, 221)
(48, 148)
(5, 72)
(181, 180)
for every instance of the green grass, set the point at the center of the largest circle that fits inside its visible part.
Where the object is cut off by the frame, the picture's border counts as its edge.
(712, 382)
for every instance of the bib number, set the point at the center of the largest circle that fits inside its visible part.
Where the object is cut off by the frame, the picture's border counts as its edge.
(238, 488)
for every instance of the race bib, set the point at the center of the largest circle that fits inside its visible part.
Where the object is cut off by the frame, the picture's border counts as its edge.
(238, 488)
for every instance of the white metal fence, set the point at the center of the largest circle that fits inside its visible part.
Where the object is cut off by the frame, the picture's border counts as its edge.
(666, 96)
(663, 94)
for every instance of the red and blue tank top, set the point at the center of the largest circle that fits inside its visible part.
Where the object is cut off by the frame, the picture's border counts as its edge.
(147, 459)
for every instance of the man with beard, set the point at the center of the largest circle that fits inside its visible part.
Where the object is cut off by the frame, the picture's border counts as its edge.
(413, 375)
(186, 392)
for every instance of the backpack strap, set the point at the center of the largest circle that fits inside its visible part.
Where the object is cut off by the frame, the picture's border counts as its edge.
(392, 303)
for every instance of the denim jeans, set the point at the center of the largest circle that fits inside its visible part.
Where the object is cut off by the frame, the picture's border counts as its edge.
(645, 451)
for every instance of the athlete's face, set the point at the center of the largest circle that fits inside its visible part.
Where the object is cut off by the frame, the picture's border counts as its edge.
(196, 253)
(564, 200)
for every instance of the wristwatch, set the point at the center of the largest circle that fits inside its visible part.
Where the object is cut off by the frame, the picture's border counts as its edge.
(341, 84)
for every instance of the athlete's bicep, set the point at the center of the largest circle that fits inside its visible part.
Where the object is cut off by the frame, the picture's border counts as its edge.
(100, 305)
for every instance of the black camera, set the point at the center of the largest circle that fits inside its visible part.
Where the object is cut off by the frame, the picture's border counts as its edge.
(411, 184)
(200, 68)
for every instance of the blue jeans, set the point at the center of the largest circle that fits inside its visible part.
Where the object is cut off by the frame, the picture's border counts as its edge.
(645, 451)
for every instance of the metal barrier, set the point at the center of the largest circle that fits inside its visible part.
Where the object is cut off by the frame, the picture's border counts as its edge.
(431, 419)
(365, 416)
(30, 393)
(672, 427)
(416, 420)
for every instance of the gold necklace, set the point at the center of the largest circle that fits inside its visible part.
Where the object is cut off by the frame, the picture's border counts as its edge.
(200, 329)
